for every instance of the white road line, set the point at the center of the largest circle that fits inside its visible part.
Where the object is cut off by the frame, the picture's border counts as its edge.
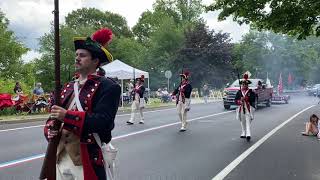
(167, 125)
(222, 174)
(15, 162)
(29, 127)
(39, 156)
(146, 112)
(15, 129)
(120, 115)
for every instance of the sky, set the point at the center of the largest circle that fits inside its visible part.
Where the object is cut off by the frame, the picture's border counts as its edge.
(30, 19)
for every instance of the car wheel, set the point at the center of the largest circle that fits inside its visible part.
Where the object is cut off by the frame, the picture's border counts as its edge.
(227, 107)
(268, 104)
(256, 103)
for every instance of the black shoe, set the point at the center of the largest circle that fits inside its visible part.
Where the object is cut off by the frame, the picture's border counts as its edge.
(242, 136)
(129, 123)
(248, 138)
(304, 134)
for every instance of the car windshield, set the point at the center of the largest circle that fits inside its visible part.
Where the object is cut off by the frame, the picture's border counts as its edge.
(253, 84)
(316, 86)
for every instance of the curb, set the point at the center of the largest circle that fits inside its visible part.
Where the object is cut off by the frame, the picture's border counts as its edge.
(17, 121)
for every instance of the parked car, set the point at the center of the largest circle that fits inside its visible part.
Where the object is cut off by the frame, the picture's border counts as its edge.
(263, 93)
(314, 91)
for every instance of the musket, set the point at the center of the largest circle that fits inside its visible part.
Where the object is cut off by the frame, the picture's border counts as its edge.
(134, 84)
(244, 111)
(180, 84)
(48, 170)
(181, 76)
(239, 80)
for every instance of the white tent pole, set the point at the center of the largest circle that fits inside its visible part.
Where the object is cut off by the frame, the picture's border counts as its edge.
(122, 93)
(149, 89)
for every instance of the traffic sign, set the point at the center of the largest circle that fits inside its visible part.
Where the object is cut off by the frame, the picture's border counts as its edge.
(168, 74)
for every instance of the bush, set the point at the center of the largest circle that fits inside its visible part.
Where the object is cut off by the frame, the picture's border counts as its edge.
(8, 111)
(7, 86)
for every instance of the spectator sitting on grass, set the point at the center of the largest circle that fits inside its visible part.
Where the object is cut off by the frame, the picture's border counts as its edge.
(312, 126)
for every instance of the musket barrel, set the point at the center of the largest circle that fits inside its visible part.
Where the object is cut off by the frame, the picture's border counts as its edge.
(48, 170)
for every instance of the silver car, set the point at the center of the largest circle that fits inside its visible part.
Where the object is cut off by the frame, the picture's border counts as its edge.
(315, 90)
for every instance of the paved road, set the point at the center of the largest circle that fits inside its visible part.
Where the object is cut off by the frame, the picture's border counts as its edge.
(157, 151)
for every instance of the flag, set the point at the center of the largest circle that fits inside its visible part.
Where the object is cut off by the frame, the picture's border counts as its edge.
(280, 85)
(290, 79)
(268, 83)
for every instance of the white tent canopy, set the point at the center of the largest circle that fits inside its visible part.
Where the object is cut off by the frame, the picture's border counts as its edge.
(123, 71)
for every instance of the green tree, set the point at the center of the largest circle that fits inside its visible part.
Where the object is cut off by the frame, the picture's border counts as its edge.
(79, 23)
(265, 53)
(208, 55)
(45, 64)
(94, 18)
(163, 48)
(251, 52)
(129, 51)
(292, 17)
(11, 51)
(182, 12)
(28, 76)
(162, 31)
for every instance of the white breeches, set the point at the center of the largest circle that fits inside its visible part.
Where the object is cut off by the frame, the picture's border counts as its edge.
(181, 108)
(66, 170)
(134, 108)
(245, 120)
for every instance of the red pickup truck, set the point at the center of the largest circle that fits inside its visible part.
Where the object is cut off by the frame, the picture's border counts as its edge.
(263, 93)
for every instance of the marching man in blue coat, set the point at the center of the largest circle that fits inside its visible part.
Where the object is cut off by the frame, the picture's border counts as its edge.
(183, 100)
(138, 101)
(245, 99)
(88, 108)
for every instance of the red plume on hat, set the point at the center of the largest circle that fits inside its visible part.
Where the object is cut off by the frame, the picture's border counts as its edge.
(141, 78)
(185, 74)
(102, 36)
(245, 79)
(246, 76)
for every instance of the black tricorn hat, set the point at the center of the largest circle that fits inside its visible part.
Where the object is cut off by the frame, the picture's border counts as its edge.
(141, 78)
(245, 79)
(96, 44)
(185, 74)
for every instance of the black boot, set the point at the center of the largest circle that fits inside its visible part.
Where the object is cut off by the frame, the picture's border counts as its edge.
(248, 138)
(129, 123)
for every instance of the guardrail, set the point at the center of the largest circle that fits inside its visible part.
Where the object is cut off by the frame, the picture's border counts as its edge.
(216, 95)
